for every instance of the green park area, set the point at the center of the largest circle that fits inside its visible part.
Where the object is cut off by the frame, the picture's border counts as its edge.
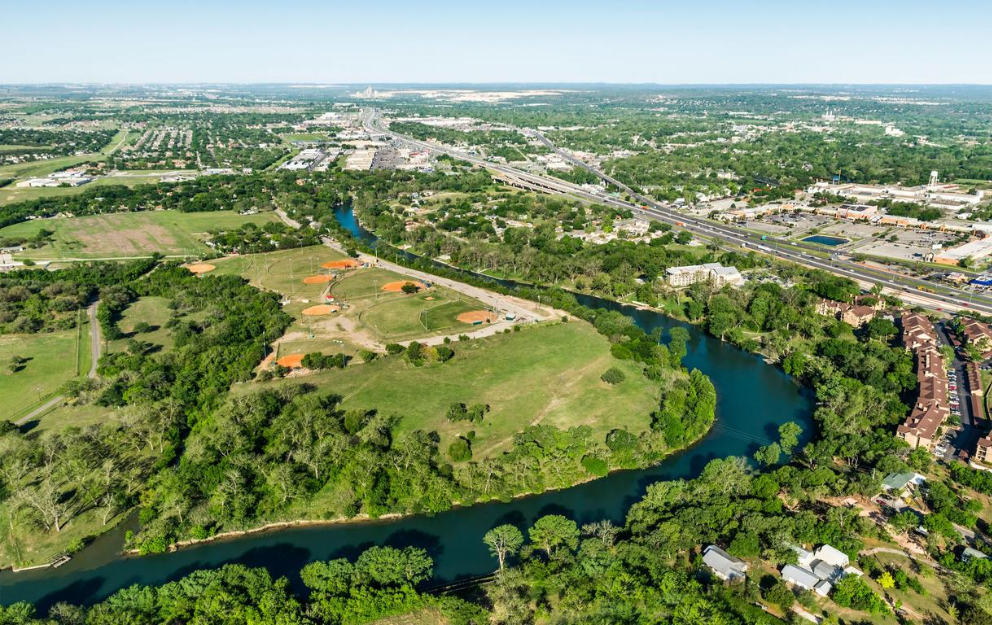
(121, 235)
(543, 374)
(47, 361)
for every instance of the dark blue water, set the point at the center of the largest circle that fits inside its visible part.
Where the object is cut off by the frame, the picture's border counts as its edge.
(753, 400)
(825, 240)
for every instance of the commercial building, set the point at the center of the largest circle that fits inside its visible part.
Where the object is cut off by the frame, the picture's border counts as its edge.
(974, 250)
(691, 274)
(946, 196)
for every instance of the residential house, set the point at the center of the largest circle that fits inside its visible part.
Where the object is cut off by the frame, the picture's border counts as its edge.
(724, 565)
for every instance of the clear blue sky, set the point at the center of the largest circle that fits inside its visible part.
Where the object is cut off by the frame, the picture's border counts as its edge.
(380, 41)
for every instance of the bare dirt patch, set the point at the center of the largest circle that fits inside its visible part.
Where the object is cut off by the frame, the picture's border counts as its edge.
(293, 361)
(200, 268)
(317, 279)
(397, 287)
(477, 316)
(323, 309)
(347, 263)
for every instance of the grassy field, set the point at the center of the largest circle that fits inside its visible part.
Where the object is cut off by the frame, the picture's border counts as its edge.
(41, 168)
(52, 361)
(152, 310)
(543, 374)
(283, 271)
(370, 316)
(129, 234)
(13, 193)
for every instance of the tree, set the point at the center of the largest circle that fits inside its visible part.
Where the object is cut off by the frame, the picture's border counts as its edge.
(409, 288)
(613, 376)
(788, 436)
(388, 566)
(886, 581)
(769, 455)
(460, 450)
(503, 541)
(554, 532)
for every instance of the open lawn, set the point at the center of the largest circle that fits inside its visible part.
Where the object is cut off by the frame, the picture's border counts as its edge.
(13, 193)
(52, 360)
(282, 271)
(152, 310)
(120, 235)
(543, 374)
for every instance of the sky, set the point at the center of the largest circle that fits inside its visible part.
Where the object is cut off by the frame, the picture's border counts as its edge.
(535, 41)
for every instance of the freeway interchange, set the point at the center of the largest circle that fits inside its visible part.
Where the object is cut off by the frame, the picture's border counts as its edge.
(912, 290)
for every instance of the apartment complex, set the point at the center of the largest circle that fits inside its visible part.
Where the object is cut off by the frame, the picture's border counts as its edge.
(856, 314)
(691, 274)
(931, 406)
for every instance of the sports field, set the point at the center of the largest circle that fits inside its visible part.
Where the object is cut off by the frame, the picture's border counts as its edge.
(368, 315)
(543, 374)
(119, 235)
(52, 360)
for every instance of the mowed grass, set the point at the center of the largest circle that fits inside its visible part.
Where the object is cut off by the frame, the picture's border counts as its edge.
(544, 374)
(282, 271)
(398, 317)
(12, 193)
(39, 169)
(154, 311)
(52, 361)
(119, 235)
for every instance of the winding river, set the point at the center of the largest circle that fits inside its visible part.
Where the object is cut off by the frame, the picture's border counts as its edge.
(753, 400)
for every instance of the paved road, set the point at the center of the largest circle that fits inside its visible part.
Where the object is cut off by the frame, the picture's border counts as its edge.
(945, 298)
(94, 357)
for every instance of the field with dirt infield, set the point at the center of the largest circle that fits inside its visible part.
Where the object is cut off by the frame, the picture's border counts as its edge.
(542, 374)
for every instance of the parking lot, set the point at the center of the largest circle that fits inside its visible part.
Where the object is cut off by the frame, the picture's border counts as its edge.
(910, 244)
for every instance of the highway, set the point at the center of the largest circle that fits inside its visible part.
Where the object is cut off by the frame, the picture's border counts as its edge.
(935, 297)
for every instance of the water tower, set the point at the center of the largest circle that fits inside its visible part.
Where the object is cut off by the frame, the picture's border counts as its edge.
(932, 185)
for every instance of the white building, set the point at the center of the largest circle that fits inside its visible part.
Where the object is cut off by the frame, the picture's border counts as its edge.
(691, 274)
(724, 565)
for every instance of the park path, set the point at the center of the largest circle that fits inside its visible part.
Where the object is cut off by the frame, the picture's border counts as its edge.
(94, 357)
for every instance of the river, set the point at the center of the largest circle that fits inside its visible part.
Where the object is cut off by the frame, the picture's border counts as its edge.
(753, 399)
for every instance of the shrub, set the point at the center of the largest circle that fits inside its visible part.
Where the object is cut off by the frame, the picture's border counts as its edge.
(780, 595)
(460, 449)
(367, 355)
(394, 348)
(596, 466)
(613, 376)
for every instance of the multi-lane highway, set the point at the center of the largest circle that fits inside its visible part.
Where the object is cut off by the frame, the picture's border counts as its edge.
(913, 290)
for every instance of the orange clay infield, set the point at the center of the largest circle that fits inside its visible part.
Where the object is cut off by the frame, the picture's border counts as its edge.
(347, 263)
(323, 309)
(317, 279)
(200, 268)
(396, 287)
(293, 361)
(476, 316)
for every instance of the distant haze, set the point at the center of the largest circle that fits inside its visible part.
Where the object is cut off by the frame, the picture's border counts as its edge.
(702, 41)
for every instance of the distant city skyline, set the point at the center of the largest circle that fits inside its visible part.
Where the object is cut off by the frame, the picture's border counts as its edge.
(704, 42)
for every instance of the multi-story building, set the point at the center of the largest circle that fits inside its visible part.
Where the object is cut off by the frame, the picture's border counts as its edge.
(931, 407)
(691, 274)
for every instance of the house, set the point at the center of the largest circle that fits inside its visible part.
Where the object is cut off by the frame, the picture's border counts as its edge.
(898, 482)
(724, 565)
(932, 403)
(805, 579)
(970, 553)
(819, 570)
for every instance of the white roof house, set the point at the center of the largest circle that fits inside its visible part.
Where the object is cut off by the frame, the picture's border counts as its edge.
(798, 576)
(724, 565)
(833, 556)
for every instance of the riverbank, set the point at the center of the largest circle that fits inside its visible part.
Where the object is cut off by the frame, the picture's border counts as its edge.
(364, 519)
